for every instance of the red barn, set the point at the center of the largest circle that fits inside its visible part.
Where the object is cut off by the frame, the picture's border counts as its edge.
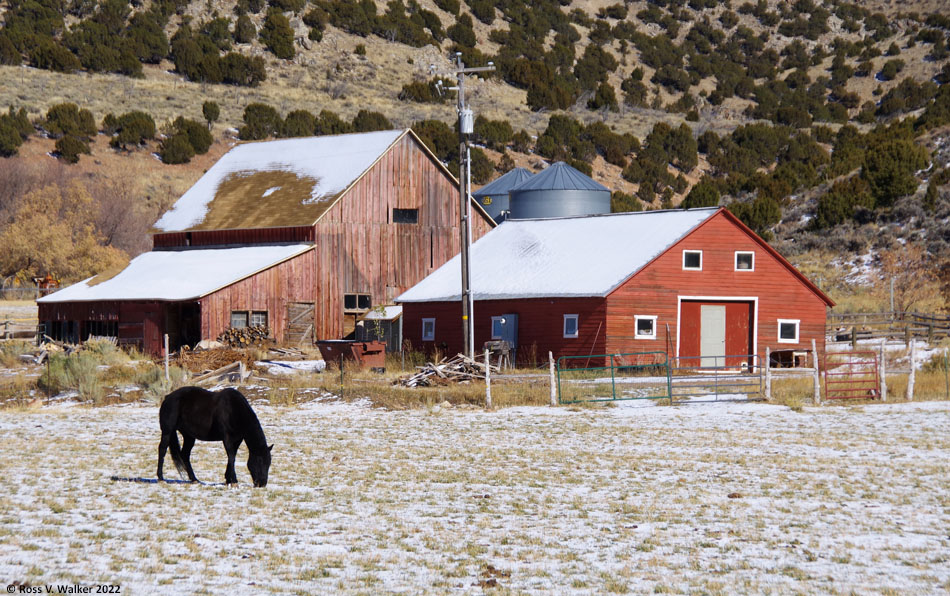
(696, 284)
(301, 235)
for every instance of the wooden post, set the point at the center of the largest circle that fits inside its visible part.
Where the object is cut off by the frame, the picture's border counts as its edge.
(883, 369)
(487, 380)
(816, 396)
(553, 379)
(913, 371)
(854, 337)
(167, 378)
(768, 373)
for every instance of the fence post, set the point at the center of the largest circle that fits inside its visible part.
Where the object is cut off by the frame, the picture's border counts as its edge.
(487, 380)
(768, 373)
(913, 371)
(854, 337)
(816, 396)
(167, 378)
(946, 372)
(553, 383)
(883, 367)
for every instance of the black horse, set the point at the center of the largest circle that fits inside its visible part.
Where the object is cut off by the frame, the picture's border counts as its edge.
(212, 416)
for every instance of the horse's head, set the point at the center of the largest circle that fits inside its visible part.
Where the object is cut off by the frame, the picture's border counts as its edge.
(258, 464)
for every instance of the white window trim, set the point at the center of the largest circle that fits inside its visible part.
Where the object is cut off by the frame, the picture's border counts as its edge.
(430, 337)
(493, 319)
(700, 268)
(636, 321)
(797, 323)
(577, 326)
(735, 260)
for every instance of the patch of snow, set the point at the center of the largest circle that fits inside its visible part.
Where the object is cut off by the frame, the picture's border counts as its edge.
(289, 367)
(270, 191)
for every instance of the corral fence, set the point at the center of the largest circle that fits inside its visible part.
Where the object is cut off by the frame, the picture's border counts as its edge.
(635, 375)
(905, 326)
(852, 375)
(717, 378)
(10, 329)
(656, 376)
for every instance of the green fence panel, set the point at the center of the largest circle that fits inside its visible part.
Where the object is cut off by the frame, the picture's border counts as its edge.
(634, 375)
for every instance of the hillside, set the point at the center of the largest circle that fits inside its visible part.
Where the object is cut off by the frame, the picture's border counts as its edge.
(750, 99)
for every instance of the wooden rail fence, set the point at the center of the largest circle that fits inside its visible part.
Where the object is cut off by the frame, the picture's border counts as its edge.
(887, 325)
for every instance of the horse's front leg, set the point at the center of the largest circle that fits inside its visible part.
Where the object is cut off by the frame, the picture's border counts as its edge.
(231, 446)
(162, 448)
(187, 443)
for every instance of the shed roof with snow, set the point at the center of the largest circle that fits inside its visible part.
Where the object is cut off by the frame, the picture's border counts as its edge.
(178, 275)
(560, 257)
(287, 182)
(560, 176)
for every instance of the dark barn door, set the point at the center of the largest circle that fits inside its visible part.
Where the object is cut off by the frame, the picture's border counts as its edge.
(715, 328)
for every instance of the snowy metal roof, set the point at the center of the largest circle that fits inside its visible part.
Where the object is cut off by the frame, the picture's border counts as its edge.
(383, 313)
(178, 275)
(560, 176)
(504, 183)
(287, 182)
(560, 257)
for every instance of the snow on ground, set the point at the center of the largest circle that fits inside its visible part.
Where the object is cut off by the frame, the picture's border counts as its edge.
(290, 367)
(641, 497)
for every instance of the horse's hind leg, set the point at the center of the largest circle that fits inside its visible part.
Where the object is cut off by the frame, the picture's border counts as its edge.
(187, 443)
(162, 448)
(230, 477)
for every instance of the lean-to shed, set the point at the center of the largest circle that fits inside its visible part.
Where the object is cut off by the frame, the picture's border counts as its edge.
(696, 284)
(301, 235)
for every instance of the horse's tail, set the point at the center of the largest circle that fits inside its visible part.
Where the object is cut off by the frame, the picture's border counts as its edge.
(168, 417)
(175, 450)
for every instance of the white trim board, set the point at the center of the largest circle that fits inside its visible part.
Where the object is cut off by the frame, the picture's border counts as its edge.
(755, 315)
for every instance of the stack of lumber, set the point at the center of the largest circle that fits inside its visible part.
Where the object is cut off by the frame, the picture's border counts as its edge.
(245, 336)
(459, 369)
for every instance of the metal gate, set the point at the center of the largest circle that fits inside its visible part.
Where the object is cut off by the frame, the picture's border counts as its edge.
(851, 375)
(717, 378)
(638, 375)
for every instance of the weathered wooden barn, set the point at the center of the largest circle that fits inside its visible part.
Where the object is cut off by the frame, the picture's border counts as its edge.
(301, 235)
(695, 284)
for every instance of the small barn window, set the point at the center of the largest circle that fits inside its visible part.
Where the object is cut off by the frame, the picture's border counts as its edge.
(406, 216)
(428, 329)
(570, 326)
(745, 261)
(788, 331)
(693, 260)
(645, 326)
(357, 302)
(259, 318)
(497, 327)
(238, 319)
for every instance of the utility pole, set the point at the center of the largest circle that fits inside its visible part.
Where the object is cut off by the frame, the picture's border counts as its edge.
(466, 126)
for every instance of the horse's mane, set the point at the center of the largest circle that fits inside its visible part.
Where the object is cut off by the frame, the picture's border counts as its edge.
(254, 439)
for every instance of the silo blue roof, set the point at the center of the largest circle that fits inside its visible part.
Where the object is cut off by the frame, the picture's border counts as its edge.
(560, 176)
(504, 183)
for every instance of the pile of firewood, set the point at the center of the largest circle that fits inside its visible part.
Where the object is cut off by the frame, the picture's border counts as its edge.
(459, 369)
(245, 336)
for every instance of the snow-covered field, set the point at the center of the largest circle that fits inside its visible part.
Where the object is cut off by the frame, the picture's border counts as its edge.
(709, 498)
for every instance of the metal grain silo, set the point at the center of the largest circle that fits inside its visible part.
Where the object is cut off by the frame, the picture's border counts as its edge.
(558, 191)
(493, 197)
